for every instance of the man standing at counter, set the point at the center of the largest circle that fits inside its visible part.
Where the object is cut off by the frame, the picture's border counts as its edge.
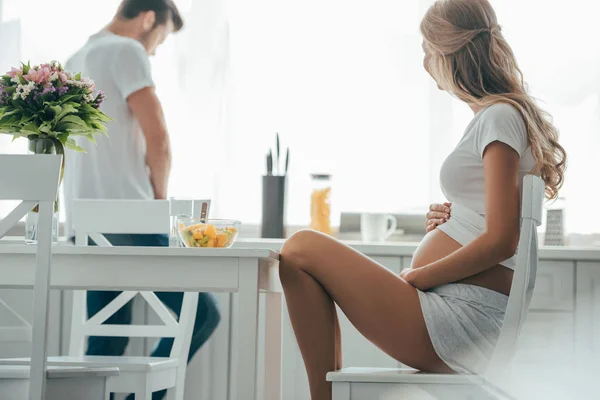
(135, 161)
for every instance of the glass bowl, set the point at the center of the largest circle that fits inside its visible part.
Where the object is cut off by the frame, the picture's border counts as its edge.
(210, 233)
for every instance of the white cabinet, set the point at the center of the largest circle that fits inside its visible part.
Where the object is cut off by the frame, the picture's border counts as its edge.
(546, 337)
(548, 334)
(587, 314)
(554, 287)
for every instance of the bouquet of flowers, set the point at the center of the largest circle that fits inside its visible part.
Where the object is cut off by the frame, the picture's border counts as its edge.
(46, 102)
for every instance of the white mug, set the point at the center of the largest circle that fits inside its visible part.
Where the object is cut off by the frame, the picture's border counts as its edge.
(374, 226)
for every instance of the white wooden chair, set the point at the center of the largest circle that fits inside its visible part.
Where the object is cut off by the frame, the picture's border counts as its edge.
(375, 383)
(34, 180)
(139, 375)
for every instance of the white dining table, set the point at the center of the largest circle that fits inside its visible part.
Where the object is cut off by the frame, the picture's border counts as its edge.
(244, 271)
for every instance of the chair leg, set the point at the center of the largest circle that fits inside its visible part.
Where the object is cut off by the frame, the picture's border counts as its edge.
(177, 393)
(340, 390)
(145, 394)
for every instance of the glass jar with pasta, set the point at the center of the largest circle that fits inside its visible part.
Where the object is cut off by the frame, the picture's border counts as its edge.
(320, 203)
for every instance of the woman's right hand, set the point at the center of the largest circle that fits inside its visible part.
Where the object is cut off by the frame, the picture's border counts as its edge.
(437, 215)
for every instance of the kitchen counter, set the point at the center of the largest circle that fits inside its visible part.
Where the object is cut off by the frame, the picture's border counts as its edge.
(406, 249)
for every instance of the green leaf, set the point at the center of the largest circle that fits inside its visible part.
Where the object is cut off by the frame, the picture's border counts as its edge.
(18, 135)
(30, 129)
(8, 119)
(70, 103)
(57, 110)
(66, 109)
(87, 108)
(69, 126)
(25, 119)
(46, 127)
(12, 112)
(63, 137)
(74, 119)
(22, 80)
(26, 67)
(91, 138)
(72, 145)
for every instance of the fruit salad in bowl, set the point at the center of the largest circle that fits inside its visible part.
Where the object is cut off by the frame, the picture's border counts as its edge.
(213, 233)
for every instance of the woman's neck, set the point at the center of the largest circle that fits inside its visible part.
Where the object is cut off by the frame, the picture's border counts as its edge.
(475, 108)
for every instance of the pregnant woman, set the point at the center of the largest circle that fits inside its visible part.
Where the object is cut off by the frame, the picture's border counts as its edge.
(444, 313)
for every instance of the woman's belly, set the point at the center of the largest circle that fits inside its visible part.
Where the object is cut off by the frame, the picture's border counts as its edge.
(437, 245)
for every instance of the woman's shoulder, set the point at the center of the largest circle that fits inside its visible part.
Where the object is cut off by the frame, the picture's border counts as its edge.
(501, 122)
(502, 113)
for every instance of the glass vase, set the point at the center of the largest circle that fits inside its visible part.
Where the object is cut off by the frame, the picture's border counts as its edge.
(43, 146)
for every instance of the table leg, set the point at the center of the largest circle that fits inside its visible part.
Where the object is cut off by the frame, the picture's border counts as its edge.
(221, 350)
(246, 346)
(273, 345)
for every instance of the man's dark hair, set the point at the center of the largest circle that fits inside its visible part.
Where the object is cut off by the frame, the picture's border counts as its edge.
(164, 10)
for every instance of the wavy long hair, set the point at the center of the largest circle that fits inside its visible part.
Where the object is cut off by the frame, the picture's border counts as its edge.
(469, 57)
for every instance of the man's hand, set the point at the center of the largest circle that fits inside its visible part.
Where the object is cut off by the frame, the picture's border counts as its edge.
(147, 110)
(437, 215)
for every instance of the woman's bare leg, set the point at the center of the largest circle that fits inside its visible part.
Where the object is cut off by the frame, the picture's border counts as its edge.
(317, 271)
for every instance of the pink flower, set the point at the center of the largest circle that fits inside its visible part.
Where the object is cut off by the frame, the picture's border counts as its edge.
(31, 76)
(38, 75)
(63, 77)
(14, 72)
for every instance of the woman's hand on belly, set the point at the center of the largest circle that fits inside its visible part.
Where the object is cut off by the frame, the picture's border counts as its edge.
(411, 276)
(437, 245)
(438, 214)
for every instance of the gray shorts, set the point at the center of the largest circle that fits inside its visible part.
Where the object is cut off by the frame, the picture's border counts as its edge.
(464, 323)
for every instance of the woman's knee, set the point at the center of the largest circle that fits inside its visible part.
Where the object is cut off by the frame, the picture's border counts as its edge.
(296, 252)
(298, 245)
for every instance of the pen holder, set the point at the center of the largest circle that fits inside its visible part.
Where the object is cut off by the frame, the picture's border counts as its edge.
(273, 207)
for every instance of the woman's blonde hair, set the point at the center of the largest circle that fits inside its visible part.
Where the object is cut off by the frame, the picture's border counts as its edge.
(468, 56)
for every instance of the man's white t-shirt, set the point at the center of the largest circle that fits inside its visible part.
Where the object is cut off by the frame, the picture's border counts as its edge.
(115, 167)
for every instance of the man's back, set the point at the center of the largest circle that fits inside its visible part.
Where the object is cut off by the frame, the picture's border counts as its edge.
(115, 167)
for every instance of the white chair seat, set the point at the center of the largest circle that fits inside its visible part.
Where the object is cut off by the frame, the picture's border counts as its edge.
(152, 373)
(61, 382)
(400, 375)
(55, 372)
(124, 364)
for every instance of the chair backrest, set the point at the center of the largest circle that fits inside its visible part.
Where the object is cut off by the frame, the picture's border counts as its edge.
(92, 218)
(34, 180)
(524, 275)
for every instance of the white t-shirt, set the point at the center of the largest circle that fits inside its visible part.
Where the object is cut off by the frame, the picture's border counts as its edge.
(115, 167)
(461, 175)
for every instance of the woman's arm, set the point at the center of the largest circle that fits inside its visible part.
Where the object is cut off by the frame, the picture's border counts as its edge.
(500, 240)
